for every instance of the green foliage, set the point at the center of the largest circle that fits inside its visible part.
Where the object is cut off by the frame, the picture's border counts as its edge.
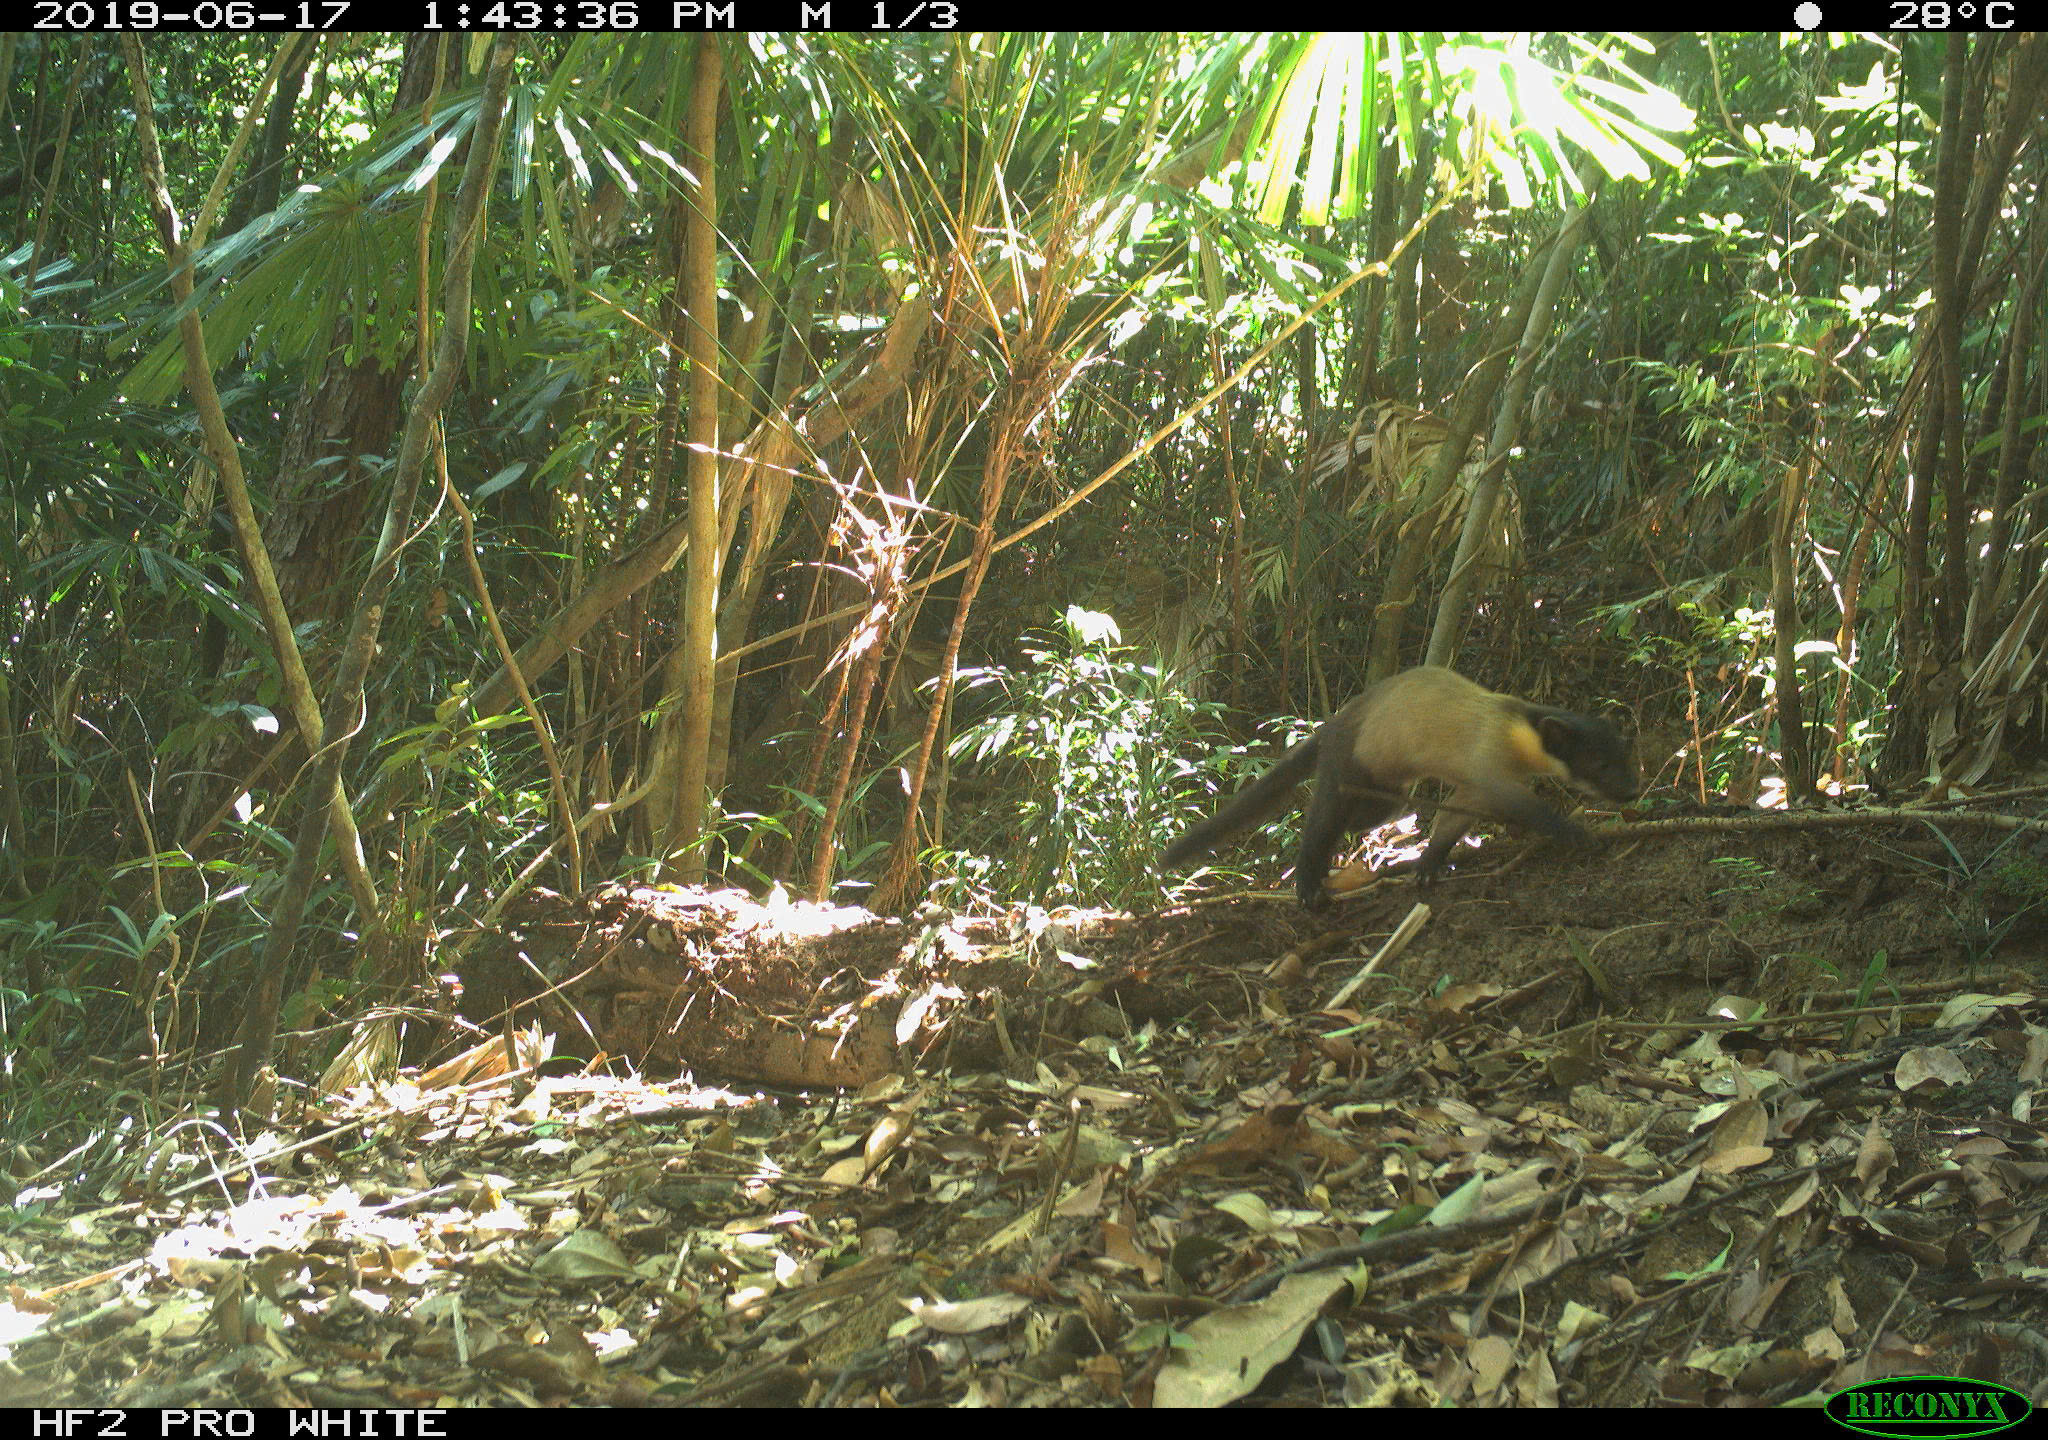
(1746, 875)
(1761, 889)
(1738, 645)
(1875, 978)
(2022, 881)
(854, 174)
(38, 1027)
(1087, 766)
(2016, 884)
(1322, 126)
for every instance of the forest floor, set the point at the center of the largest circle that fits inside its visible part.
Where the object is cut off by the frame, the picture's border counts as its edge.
(1696, 1120)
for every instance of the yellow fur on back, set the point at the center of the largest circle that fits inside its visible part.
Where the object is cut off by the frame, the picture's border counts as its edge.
(1431, 723)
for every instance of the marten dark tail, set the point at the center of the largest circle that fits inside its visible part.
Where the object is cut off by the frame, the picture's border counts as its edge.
(1249, 806)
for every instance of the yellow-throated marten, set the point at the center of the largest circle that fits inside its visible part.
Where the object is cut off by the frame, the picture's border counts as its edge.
(1426, 723)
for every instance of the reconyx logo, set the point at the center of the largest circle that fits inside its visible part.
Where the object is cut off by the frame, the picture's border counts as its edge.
(1919, 1406)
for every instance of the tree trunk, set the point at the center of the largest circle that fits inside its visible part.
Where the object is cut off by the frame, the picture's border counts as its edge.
(258, 1031)
(1454, 605)
(1398, 592)
(699, 621)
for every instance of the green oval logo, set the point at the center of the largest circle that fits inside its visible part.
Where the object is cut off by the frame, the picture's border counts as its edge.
(1917, 1406)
